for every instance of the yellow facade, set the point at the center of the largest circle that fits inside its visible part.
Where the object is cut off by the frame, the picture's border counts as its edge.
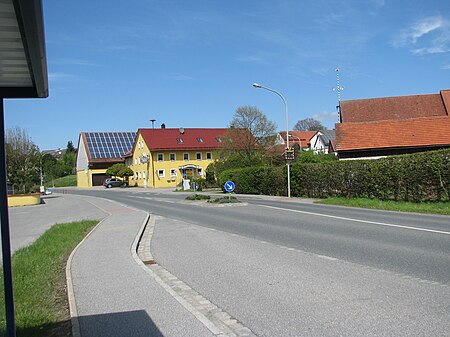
(167, 168)
(84, 177)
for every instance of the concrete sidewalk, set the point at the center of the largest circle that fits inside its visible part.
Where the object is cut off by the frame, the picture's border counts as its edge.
(112, 294)
(29, 222)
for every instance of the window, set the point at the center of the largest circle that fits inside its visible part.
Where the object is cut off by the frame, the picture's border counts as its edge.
(199, 155)
(208, 155)
(186, 156)
(200, 171)
(173, 157)
(161, 173)
(160, 156)
(179, 140)
(139, 175)
(173, 172)
(219, 140)
(200, 140)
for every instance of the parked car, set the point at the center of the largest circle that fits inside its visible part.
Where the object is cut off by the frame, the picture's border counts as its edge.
(114, 182)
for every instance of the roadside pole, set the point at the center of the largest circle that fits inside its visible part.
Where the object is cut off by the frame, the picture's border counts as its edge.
(6, 243)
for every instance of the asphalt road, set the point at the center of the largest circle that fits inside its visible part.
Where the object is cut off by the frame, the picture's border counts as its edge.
(410, 244)
(290, 268)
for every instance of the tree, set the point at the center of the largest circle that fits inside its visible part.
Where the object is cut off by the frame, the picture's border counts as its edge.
(125, 173)
(23, 161)
(70, 147)
(114, 170)
(250, 130)
(309, 124)
(119, 170)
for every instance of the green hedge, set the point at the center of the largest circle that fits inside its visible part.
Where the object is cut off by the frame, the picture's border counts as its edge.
(256, 180)
(417, 177)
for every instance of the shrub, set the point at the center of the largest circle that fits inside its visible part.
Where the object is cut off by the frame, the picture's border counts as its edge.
(198, 197)
(256, 180)
(416, 177)
(224, 200)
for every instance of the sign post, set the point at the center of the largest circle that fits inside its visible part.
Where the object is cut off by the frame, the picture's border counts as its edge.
(229, 187)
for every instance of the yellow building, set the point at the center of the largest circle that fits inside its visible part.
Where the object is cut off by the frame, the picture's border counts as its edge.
(99, 150)
(171, 157)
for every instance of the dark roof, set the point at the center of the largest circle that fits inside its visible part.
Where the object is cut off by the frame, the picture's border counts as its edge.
(22, 50)
(182, 139)
(327, 135)
(107, 146)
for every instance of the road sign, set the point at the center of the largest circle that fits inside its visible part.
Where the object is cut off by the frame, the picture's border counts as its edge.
(229, 186)
(289, 154)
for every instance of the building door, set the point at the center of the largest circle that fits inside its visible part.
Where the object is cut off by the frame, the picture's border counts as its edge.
(98, 178)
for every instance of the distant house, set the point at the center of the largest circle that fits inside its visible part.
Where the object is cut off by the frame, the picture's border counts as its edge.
(167, 157)
(57, 153)
(376, 127)
(320, 143)
(302, 138)
(99, 150)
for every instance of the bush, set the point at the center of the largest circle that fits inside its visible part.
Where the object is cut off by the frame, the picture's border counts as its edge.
(198, 197)
(256, 180)
(224, 200)
(416, 177)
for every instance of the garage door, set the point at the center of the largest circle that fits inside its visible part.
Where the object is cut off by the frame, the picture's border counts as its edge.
(97, 179)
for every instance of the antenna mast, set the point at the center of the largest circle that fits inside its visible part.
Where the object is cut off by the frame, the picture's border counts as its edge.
(338, 89)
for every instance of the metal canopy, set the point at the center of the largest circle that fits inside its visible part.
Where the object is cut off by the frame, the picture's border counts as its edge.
(23, 67)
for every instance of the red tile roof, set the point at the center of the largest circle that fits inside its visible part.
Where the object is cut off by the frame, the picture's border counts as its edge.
(300, 137)
(192, 139)
(393, 134)
(395, 108)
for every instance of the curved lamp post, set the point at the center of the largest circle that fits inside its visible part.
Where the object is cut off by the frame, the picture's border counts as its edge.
(259, 86)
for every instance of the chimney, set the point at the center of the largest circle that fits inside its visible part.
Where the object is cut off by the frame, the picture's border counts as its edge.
(163, 126)
(445, 94)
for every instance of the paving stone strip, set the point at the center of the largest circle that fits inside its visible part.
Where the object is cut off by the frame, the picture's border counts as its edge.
(216, 320)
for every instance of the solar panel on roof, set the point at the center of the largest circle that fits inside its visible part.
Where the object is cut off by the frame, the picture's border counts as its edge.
(107, 145)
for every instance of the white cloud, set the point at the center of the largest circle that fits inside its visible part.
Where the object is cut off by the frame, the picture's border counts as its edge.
(178, 77)
(251, 59)
(67, 61)
(57, 76)
(430, 35)
(418, 30)
(446, 67)
(378, 3)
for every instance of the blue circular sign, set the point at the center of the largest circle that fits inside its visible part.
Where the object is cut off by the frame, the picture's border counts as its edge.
(229, 186)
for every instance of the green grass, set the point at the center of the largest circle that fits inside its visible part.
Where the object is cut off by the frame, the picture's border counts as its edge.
(39, 281)
(401, 206)
(224, 200)
(198, 197)
(62, 182)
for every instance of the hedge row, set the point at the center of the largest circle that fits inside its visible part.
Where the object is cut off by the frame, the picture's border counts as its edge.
(417, 177)
(256, 180)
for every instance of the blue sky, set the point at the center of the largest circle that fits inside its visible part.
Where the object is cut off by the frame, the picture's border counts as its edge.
(114, 65)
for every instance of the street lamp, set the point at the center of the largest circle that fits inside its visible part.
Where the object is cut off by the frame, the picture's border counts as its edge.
(259, 86)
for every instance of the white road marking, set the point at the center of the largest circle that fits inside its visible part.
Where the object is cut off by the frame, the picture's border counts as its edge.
(358, 220)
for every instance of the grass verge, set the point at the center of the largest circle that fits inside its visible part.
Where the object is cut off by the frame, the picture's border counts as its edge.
(63, 181)
(400, 206)
(39, 279)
